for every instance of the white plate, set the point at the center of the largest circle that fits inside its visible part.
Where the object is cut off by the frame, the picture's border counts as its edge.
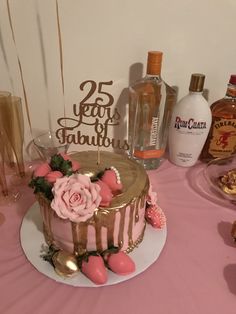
(32, 238)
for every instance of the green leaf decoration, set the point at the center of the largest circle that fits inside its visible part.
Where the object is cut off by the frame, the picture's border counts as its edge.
(111, 250)
(41, 185)
(48, 256)
(58, 163)
(100, 174)
(85, 257)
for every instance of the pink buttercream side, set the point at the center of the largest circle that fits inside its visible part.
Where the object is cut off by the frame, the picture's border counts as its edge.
(126, 226)
(62, 233)
(116, 228)
(104, 238)
(91, 236)
(62, 230)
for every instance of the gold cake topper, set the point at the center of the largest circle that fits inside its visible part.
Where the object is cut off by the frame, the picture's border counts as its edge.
(97, 114)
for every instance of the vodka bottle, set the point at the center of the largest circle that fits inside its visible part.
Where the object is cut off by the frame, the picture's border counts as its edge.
(150, 106)
(190, 124)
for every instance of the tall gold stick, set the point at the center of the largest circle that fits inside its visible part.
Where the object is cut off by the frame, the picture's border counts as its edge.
(98, 156)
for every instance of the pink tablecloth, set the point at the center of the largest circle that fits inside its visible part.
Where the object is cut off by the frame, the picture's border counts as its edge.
(195, 273)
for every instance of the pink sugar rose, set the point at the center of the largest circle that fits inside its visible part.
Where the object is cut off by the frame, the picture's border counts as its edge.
(52, 176)
(42, 170)
(152, 196)
(75, 197)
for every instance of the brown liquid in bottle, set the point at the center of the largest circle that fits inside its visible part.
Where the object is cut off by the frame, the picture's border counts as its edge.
(221, 141)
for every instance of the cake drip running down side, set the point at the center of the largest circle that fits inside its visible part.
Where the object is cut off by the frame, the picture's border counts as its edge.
(122, 227)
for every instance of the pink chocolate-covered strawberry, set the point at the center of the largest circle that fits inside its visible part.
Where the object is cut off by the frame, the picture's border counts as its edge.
(95, 269)
(155, 217)
(42, 170)
(105, 193)
(112, 178)
(75, 165)
(52, 176)
(120, 263)
(65, 156)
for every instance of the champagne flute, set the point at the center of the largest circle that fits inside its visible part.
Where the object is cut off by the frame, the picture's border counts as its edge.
(5, 151)
(3, 180)
(5, 99)
(16, 132)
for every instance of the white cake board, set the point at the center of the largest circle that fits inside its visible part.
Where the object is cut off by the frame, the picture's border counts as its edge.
(32, 239)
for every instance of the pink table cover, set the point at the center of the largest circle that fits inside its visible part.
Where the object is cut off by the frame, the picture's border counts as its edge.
(195, 273)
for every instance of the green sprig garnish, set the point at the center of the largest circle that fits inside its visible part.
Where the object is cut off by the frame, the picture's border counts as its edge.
(41, 185)
(58, 163)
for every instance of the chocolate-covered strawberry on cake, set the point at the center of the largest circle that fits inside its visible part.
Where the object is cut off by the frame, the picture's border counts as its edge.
(94, 213)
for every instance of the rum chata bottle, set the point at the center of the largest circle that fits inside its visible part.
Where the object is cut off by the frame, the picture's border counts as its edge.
(151, 102)
(190, 124)
(221, 141)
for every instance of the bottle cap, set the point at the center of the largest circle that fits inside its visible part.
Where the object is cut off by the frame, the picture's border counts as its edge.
(154, 62)
(232, 79)
(197, 82)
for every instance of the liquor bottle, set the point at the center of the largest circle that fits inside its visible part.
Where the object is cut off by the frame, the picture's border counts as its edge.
(190, 125)
(221, 141)
(150, 106)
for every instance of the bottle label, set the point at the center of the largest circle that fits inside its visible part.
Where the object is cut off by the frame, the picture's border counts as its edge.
(154, 131)
(149, 154)
(189, 124)
(223, 141)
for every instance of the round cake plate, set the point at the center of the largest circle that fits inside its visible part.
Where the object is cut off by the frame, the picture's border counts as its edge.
(32, 239)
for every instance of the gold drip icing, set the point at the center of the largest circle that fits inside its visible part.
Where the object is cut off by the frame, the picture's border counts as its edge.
(98, 229)
(82, 237)
(75, 237)
(110, 230)
(131, 221)
(121, 227)
(136, 210)
(46, 213)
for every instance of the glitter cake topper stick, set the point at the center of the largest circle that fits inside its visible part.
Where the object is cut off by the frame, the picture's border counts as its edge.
(98, 156)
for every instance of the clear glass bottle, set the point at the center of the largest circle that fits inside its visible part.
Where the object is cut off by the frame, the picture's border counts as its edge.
(221, 141)
(151, 102)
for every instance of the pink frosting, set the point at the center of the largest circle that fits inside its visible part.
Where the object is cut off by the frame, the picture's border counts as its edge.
(42, 170)
(52, 176)
(152, 196)
(62, 232)
(75, 197)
